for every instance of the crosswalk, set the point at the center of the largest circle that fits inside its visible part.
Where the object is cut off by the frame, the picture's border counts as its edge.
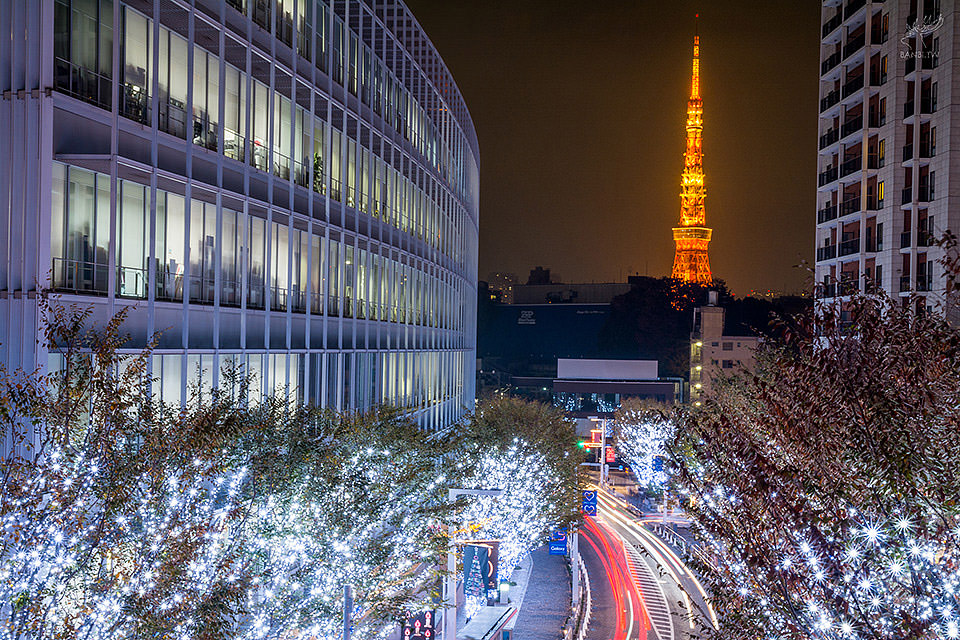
(652, 592)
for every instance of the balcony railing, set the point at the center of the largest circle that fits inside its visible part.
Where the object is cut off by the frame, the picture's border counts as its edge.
(827, 176)
(854, 45)
(80, 276)
(906, 196)
(849, 246)
(829, 138)
(827, 214)
(831, 24)
(851, 165)
(850, 205)
(828, 252)
(877, 79)
(830, 99)
(852, 7)
(830, 63)
(851, 126)
(853, 85)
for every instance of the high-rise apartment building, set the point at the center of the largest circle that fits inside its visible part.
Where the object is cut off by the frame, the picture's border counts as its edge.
(291, 185)
(888, 165)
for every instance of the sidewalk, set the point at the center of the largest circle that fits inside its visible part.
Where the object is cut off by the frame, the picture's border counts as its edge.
(546, 603)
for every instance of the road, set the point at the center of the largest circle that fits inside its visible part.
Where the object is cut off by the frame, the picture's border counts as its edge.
(641, 589)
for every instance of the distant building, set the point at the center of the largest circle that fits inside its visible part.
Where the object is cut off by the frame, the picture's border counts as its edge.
(712, 353)
(539, 275)
(503, 285)
(584, 293)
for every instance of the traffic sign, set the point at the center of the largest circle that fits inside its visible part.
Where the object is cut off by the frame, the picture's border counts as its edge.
(589, 504)
(558, 542)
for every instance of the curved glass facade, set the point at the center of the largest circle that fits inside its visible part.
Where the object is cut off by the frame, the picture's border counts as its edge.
(289, 185)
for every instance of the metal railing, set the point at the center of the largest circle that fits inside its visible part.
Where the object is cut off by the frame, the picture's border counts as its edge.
(826, 214)
(853, 85)
(851, 125)
(831, 24)
(828, 252)
(854, 45)
(850, 246)
(850, 205)
(827, 176)
(79, 276)
(830, 63)
(830, 99)
(850, 165)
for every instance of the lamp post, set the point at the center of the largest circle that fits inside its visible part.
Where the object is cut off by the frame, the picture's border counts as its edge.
(450, 582)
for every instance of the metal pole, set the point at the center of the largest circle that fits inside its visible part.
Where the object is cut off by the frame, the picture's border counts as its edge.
(575, 561)
(450, 586)
(603, 452)
(347, 611)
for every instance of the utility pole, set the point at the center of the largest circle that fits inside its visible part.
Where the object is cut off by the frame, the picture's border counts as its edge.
(347, 610)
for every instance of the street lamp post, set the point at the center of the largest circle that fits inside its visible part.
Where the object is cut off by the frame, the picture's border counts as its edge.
(450, 582)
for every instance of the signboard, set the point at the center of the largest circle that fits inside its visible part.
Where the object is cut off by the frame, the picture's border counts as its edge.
(558, 542)
(657, 464)
(480, 559)
(420, 626)
(589, 504)
(611, 454)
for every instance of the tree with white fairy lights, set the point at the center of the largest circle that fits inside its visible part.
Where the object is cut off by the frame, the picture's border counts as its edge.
(642, 431)
(227, 519)
(826, 485)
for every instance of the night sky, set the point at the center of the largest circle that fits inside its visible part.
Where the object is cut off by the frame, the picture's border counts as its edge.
(580, 109)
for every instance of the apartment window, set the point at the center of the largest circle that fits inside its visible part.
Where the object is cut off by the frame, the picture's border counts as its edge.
(257, 267)
(878, 277)
(728, 364)
(137, 60)
(728, 346)
(132, 244)
(83, 49)
(174, 74)
(279, 272)
(880, 235)
(170, 246)
(206, 98)
(203, 250)
(234, 113)
(80, 230)
(231, 248)
(880, 191)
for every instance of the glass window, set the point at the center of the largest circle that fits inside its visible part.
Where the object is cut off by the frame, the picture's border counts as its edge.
(203, 250)
(318, 156)
(281, 137)
(335, 174)
(317, 275)
(279, 273)
(256, 275)
(333, 264)
(231, 246)
(173, 83)
(170, 246)
(57, 195)
(137, 59)
(132, 248)
(261, 121)
(234, 112)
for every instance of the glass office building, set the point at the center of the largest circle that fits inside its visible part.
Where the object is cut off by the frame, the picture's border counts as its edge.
(289, 185)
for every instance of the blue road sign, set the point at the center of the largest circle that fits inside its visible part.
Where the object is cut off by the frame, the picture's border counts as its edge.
(558, 547)
(589, 504)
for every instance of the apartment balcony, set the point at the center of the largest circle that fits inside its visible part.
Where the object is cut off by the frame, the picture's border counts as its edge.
(831, 24)
(879, 35)
(850, 246)
(830, 63)
(828, 252)
(924, 281)
(908, 108)
(829, 100)
(875, 161)
(850, 166)
(854, 45)
(850, 205)
(828, 176)
(829, 138)
(877, 120)
(852, 7)
(925, 238)
(906, 196)
(905, 239)
(873, 245)
(847, 287)
(904, 283)
(851, 126)
(877, 79)
(928, 104)
(827, 290)
(827, 214)
(852, 86)
(926, 193)
(927, 150)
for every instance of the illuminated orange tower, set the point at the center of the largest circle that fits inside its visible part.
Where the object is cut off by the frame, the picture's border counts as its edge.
(690, 263)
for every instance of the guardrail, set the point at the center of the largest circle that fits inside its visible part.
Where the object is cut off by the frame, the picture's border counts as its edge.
(581, 617)
(688, 550)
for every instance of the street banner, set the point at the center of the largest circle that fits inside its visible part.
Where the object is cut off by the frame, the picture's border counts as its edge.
(558, 542)
(420, 626)
(589, 504)
(480, 563)
(611, 454)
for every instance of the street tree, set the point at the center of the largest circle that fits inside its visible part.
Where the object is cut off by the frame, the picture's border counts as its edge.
(825, 484)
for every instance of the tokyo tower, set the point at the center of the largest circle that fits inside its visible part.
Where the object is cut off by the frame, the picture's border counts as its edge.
(690, 263)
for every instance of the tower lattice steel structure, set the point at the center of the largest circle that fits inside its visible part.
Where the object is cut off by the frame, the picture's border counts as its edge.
(691, 263)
